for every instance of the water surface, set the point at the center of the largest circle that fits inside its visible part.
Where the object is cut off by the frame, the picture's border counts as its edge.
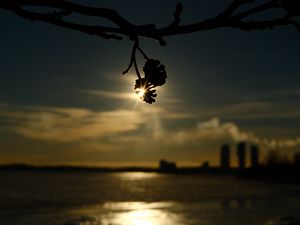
(136, 198)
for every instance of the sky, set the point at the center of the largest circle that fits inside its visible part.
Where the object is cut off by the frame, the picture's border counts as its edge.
(64, 100)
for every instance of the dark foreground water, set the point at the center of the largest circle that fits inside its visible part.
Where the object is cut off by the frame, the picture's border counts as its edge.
(143, 199)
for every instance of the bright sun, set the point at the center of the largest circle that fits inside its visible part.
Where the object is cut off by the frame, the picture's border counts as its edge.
(140, 92)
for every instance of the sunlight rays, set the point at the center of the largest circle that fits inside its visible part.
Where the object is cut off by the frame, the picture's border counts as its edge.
(140, 93)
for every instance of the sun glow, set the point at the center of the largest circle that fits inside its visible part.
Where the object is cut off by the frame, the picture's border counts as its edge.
(140, 92)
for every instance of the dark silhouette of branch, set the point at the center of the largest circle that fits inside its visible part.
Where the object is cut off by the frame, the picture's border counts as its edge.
(234, 5)
(236, 16)
(122, 27)
(176, 15)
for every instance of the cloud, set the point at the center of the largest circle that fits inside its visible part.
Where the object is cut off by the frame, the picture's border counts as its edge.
(168, 109)
(111, 95)
(130, 95)
(120, 93)
(214, 131)
(280, 143)
(253, 110)
(141, 127)
(211, 130)
(73, 124)
(150, 132)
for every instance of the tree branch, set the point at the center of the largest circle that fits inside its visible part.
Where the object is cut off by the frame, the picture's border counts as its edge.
(234, 16)
(122, 27)
(234, 6)
(260, 8)
(176, 15)
(262, 25)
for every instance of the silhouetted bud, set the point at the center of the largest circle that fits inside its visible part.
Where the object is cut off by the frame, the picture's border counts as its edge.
(149, 94)
(179, 9)
(141, 84)
(292, 6)
(155, 72)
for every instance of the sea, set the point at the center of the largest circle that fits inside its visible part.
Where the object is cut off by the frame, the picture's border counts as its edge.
(139, 198)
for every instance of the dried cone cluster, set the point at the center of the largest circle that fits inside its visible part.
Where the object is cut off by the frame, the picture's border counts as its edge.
(155, 75)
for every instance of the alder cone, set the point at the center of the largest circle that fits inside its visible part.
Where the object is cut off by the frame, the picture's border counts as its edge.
(149, 96)
(292, 6)
(141, 84)
(155, 72)
(150, 93)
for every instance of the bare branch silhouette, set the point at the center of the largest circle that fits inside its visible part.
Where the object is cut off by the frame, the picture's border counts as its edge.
(228, 18)
(236, 16)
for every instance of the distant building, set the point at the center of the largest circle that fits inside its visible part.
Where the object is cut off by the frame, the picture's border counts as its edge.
(205, 165)
(254, 156)
(225, 157)
(241, 154)
(296, 160)
(166, 166)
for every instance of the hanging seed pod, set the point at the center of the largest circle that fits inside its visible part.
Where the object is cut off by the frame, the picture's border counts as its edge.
(155, 72)
(145, 90)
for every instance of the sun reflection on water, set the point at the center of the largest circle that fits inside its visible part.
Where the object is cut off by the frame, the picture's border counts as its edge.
(136, 175)
(130, 213)
(142, 217)
(140, 213)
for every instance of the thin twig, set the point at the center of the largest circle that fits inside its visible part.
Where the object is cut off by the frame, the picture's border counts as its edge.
(257, 9)
(176, 15)
(136, 69)
(142, 52)
(234, 6)
(132, 58)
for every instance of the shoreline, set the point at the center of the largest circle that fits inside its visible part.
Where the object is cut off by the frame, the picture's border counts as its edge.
(281, 175)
